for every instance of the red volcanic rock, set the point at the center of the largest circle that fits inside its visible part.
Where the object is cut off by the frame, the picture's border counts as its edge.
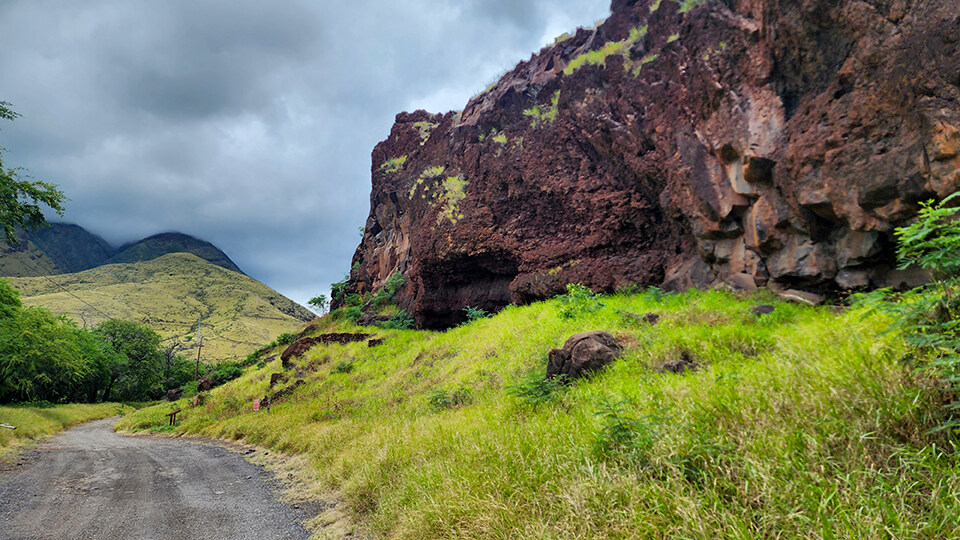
(781, 141)
(583, 354)
(301, 346)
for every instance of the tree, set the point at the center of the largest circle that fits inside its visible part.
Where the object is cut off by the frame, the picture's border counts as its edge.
(319, 303)
(21, 198)
(9, 300)
(139, 374)
(40, 357)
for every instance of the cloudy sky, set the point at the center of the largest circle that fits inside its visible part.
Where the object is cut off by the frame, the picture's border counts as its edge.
(246, 123)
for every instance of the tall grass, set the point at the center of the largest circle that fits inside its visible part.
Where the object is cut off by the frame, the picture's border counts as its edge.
(800, 423)
(37, 422)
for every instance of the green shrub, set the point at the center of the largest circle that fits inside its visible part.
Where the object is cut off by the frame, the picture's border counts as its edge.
(352, 313)
(578, 300)
(400, 321)
(286, 338)
(344, 366)
(393, 165)
(339, 289)
(227, 371)
(536, 389)
(547, 115)
(440, 399)
(928, 317)
(475, 313)
(386, 293)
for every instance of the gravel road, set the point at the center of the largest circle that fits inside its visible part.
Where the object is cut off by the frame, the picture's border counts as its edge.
(89, 482)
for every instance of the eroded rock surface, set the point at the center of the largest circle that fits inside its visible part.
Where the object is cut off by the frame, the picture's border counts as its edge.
(764, 140)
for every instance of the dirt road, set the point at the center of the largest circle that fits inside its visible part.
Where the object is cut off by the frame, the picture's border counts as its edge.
(89, 482)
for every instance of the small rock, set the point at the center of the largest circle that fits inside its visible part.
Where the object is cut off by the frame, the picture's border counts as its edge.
(681, 365)
(764, 309)
(205, 383)
(741, 282)
(651, 318)
(374, 342)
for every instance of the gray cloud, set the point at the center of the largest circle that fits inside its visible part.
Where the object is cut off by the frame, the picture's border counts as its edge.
(245, 123)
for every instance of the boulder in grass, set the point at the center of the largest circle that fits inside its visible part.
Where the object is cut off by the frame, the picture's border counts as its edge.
(583, 354)
(680, 365)
(174, 394)
(205, 383)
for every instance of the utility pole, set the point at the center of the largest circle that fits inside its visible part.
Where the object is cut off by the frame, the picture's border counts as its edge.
(196, 372)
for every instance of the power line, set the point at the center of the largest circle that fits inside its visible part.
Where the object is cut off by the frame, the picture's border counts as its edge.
(55, 284)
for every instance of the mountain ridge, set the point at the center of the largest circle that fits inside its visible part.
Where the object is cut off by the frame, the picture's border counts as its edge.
(63, 248)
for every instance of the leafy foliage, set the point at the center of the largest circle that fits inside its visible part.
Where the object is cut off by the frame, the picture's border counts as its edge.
(537, 389)
(928, 317)
(227, 371)
(440, 399)
(286, 338)
(386, 293)
(343, 366)
(138, 369)
(21, 199)
(318, 302)
(400, 321)
(46, 357)
(339, 289)
(474, 314)
(548, 115)
(578, 300)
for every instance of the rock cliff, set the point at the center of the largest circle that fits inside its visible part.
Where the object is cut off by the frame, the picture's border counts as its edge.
(676, 144)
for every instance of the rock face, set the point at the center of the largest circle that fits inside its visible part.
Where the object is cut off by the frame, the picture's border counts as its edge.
(778, 140)
(583, 354)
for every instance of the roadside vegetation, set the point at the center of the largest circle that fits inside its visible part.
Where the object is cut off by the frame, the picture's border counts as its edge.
(35, 421)
(799, 423)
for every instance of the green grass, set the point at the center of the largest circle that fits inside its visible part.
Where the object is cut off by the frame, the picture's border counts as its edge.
(547, 115)
(393, 165)
(35, 423)
(801, 423)
(169, 294)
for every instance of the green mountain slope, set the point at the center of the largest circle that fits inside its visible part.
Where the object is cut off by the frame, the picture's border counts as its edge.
(25, 260)
(57, 249)
(161, 244)
(170, 293)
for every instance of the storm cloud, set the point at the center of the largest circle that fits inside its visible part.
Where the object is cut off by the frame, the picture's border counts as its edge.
(246, 123)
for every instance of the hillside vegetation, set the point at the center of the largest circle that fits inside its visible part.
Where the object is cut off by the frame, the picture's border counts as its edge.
(169, 294)
(801, 423)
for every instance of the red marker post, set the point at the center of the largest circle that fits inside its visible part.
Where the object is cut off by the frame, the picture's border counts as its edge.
(256, 405)
(195, 400)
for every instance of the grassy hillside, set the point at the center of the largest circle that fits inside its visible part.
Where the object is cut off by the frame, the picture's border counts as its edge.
(35, 422)
(802, 423)
(25, 260)
(170, 293)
